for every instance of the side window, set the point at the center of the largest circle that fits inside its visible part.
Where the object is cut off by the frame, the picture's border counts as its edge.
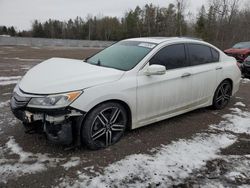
(215, 54)
(172, 57)
(199, 54)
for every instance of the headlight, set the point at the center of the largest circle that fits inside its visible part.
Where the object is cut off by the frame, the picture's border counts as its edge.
(54, 101)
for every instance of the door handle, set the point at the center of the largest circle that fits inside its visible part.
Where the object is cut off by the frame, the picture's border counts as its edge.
(218, 68)
(186, 75)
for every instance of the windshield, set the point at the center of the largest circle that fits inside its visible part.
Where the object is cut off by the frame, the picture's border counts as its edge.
(123, 55)
(242, 45)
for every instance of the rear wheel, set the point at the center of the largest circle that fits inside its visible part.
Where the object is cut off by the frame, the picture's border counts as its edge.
(104, 125)
(222, 95)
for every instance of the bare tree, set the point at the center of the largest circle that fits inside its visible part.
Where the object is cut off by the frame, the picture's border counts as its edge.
(225, 11)
(181, 8)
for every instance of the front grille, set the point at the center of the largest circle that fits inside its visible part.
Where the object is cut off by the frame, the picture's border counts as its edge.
(18, 101)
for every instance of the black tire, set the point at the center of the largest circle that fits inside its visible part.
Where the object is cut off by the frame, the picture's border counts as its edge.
(222, 95)
(104, 125)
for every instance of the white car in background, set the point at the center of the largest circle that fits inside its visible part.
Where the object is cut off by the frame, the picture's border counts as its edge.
(130, 84)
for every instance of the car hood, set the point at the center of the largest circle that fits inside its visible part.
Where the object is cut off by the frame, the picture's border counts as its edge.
(58, 75)
(242, 51)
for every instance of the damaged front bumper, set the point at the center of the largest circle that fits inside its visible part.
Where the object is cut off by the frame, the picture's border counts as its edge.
(58, 124)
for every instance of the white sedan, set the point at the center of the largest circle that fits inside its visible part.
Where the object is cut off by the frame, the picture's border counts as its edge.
(130, 84)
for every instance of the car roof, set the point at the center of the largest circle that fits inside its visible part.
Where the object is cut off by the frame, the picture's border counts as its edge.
(245, 42)
(158, 40)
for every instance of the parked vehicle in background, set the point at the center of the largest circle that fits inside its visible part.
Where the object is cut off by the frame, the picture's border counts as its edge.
(245, 68)
(130, 84)
(240, 51)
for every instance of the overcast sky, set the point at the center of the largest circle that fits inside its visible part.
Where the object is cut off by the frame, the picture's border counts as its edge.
(21, 13)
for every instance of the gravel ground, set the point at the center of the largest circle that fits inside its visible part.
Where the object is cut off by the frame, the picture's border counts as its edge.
(29, 160)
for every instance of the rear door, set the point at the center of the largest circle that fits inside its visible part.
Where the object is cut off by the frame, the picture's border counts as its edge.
(206, 69)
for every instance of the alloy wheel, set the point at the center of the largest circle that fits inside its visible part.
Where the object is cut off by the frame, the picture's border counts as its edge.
(108, 126)
(223, 95)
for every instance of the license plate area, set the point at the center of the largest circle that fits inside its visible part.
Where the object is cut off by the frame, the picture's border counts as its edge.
(31, 117)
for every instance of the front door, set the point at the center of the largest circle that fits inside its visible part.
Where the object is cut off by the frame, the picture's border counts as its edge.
(159, 96)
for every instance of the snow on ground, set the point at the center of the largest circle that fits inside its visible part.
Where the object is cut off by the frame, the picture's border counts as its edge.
(245, 81)
(172, 163)
(237, 170)
(16, 149)
(6, 120)
(1, 130)
(240, 167)
(4, 104)
(15, 162)
(22, 162)
(5, 36)
(12, 121)
(7, 70)
(20, 59)
(4, 94)
(240, 104)
(25, 67)
(238, 122)
(74, 161)
(7, 80)
(165, 166)
(34, 47)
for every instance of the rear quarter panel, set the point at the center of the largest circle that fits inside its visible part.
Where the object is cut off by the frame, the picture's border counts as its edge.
(231, 71)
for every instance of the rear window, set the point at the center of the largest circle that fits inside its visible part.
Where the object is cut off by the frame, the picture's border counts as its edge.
(199, 54)
(215, 54)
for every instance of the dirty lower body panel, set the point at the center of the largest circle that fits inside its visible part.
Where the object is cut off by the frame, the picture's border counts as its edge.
(58, 124)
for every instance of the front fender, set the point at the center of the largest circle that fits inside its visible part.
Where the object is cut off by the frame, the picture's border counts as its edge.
(124, 91)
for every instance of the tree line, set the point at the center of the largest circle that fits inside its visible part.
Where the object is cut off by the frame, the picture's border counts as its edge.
(8, 31)
(221, 22)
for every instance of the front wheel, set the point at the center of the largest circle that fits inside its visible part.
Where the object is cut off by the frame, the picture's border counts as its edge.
(104, 125)
(222, 95)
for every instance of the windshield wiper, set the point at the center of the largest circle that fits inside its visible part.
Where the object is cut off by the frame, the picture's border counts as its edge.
(94, 63)
(99, 62)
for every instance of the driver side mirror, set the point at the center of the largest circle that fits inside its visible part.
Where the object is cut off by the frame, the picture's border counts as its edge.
(155, 70)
